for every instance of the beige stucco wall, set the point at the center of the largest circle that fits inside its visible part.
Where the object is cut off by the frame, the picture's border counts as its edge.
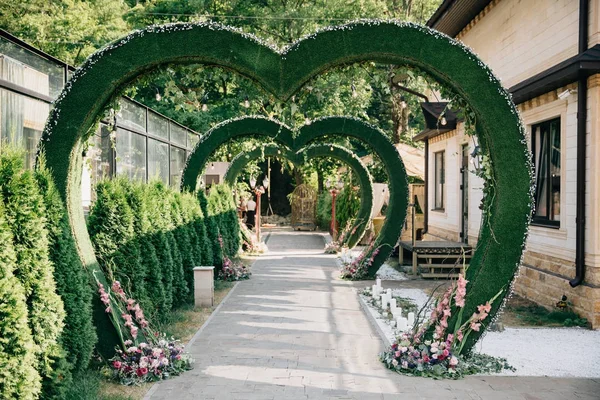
(520, 38)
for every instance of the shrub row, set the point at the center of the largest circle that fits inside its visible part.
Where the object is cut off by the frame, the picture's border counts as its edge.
(346, 206)
(324, 210)
(46, 329)
(150, 238)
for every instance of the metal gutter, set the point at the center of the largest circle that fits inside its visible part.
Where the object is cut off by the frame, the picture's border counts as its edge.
(581, 153)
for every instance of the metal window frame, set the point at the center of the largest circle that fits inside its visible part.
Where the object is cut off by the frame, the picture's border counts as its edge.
(435, 180)
(545, 221)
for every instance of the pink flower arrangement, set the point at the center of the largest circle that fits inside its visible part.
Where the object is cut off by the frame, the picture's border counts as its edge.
(414, 354)
(358, 268)
(232, 271)
(148, 362)
(144, 355)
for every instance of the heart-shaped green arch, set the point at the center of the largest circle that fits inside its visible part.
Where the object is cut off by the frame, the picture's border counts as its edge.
(357, 230)
(99, 80)
(320, 128)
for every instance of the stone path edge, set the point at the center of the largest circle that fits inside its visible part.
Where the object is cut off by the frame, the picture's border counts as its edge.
(374, 322)
(154, 387)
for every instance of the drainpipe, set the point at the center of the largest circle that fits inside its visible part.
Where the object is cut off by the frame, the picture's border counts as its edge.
(581, 153)
(426, 190)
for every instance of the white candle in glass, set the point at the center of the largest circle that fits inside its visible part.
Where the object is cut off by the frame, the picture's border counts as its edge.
(397, 312)
(411, 318)
(374, 291)
(378, 282)
(389, 291)
(384, 301)
(402, 324)
(392, 304)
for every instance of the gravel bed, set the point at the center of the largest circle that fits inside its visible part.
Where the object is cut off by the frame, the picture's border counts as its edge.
(555, 352)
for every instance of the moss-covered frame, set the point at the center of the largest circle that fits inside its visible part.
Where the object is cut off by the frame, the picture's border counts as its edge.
(100, 79)
(321, 150)
(317, 129)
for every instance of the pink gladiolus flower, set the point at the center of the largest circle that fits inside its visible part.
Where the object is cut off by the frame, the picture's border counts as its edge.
(134, 331)
(475, 326)
(108, 310)
(447, 312)
(485, 308)
(439, 330)
(453, 361)
(449, 338)
(482, 316)
(445, 353)
(459, 335)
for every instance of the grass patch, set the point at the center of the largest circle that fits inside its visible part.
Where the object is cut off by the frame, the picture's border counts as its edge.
(523, 312)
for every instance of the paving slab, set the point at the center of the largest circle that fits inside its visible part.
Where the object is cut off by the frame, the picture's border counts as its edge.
(296, 331)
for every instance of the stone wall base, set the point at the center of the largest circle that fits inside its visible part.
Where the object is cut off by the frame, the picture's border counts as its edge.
(546, 289)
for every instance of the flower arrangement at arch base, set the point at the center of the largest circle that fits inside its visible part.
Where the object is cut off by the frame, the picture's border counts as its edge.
(434, 349)
(144, 355)
(358, 268)
(337, 245)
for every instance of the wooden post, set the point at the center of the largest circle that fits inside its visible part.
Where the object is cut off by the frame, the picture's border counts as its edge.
(257, 215)
(333, 222)
(204, 286)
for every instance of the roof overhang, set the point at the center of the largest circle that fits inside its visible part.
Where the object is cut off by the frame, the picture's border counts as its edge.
(453, 15)
(433, 112)
(557, 76)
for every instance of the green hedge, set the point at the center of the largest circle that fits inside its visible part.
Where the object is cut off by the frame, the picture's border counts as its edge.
(347, 204)
(148, 237)
(324, 210)
(19, 377)
(25, 214)
(72, 284)
(222, 209)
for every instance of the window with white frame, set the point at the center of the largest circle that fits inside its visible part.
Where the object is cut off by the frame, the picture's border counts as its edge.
(545, 145)
(439, 180)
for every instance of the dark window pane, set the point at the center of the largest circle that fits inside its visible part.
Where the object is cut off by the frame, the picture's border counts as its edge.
(439, 180)
(24, 68)
(158, 125)
(22, 121)
(131, 155)
(177, 164)
(178, 134)
(101, 155)
(132, 115)
(158, 160)
(192, 140)
(546, 155)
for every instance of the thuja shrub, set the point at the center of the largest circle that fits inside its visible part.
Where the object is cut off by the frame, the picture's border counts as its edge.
(162, 238)
(111, 225)
(212, 232)
(346, 205)
(78, 337)
(324, 210)
(138, 198)
(182, 236)
(222, 207)
(19, 377)
(25, 215)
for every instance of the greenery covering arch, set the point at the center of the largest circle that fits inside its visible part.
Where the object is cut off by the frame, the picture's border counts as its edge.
(100, 79)
(337, 152)
(317, 129)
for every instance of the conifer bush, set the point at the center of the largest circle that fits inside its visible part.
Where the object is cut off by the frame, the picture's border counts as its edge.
(78, 337)
(212, 231)
(25, 214)
(19, 377)
(112, 230)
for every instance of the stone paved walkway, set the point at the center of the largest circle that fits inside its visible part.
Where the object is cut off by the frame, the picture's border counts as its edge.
(294, 331)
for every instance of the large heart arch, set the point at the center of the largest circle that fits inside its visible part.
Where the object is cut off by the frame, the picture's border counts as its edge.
(357, 230)
(323, 127)
(111, 69)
